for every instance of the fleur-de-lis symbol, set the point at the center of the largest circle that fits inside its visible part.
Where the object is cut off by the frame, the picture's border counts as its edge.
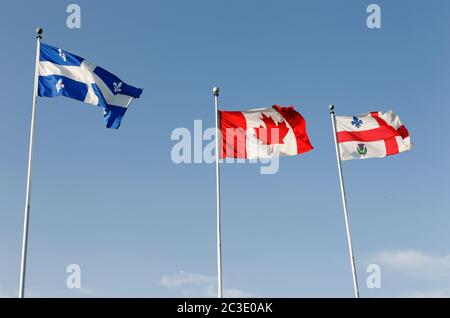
(357, 122)
(59, 85)
(117, 87)
(62, 55)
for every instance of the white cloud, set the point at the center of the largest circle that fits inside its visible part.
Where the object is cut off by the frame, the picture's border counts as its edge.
(236, 293)
(86, 292)
(186, 279)
(415, 264)
(430, 272)
(437, 293)
(198, 285)
(82, 292)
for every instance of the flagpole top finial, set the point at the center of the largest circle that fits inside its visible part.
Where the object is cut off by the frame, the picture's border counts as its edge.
(216, 91)
(39, 32)
(331, 108)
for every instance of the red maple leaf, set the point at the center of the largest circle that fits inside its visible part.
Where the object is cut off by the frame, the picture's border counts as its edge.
(267, 135)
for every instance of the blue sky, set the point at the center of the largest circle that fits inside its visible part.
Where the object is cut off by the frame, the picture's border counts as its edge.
(140, 226)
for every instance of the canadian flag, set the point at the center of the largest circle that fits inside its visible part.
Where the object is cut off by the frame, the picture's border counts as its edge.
(263, 133)
(371, 135)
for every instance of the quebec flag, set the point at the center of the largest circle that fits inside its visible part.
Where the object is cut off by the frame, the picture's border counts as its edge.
(64, 74)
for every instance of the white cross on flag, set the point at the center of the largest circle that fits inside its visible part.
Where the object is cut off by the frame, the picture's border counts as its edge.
(371, 135)
(263, 133)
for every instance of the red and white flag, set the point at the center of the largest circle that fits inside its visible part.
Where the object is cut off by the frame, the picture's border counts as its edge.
(371, 135)
(263, 133)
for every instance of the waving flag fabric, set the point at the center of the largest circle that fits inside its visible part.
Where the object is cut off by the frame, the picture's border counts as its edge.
(64, 74)
(263, 133)
(371, 135)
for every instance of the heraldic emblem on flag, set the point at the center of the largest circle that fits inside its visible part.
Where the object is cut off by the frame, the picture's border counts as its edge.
(65, 74)
(263, 133)
(371, 135)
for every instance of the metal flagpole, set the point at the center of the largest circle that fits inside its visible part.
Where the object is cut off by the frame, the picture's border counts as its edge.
(30, 159)
(344, 202)
(219, 237)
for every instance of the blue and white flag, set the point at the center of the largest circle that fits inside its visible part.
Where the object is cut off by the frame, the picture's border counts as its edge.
(66, 74)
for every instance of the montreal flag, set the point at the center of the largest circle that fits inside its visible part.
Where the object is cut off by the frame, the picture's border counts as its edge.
(263, 133)
(371, 135)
